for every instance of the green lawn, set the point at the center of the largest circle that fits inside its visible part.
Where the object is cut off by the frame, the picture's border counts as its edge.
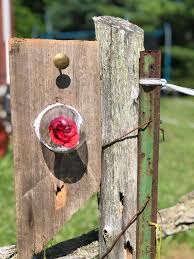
(175, 177)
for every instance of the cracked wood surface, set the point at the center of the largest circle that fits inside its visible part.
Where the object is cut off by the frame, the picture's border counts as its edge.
(51, 187)
(179, 217)
(172, 220)
(120, 43)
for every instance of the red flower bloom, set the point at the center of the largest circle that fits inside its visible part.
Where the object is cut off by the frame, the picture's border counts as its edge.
(4, 139)
(63, 131)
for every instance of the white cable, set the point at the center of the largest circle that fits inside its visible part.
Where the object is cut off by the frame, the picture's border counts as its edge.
(180, 89)
(152, 81)
(163, 83)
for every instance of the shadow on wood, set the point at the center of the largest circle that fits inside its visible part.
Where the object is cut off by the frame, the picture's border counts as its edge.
(67, 167)
(69, 246)
(63, 81)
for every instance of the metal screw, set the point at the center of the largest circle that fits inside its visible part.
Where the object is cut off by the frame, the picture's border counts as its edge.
(61, 61)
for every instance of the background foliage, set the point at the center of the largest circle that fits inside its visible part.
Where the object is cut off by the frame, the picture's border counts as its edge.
(73, 15)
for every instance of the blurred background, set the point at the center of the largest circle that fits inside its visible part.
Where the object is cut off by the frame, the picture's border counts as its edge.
(168, 26)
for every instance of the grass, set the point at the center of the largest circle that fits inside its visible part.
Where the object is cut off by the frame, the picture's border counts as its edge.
(7, 201)
(175, 178)
(176, 159)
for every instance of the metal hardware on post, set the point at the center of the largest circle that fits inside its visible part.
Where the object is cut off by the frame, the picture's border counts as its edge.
(148, 142)
(61, 61)
(152, 81)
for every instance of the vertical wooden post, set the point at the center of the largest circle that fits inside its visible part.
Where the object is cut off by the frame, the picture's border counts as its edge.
(148, 154)
(120, 45)
(50, 186)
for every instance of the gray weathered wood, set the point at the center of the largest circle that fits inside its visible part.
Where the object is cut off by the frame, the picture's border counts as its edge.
(84, 246)
(177, 218)
(8, 252)
(120, 43)
(51, 187)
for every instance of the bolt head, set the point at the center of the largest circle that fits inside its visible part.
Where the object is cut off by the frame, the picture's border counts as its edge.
(61, 61)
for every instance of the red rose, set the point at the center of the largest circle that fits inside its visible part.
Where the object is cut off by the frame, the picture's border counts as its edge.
(63, 131)
(4, 139)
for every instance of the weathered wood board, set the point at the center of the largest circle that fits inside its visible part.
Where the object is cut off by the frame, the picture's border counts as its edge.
(51, 187)
(120, 43)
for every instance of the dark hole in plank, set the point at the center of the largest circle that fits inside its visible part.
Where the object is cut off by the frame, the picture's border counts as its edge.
(59, 189)
(129, 249)
(121, 197)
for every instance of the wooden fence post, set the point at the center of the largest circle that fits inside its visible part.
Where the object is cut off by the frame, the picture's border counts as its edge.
(120, 43)
(148, 154)
(50, 186)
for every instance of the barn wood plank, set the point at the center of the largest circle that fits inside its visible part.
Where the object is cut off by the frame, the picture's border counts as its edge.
(42, 178)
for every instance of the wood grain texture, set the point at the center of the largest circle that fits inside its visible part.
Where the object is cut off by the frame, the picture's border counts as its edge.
(51, 187)
(120, 43)
(150, 67)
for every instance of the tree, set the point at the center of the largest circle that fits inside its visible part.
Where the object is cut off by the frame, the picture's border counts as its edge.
(27, 17)
(72, 15)
(150, 15)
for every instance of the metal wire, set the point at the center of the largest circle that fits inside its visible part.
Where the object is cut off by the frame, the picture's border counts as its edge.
(163, 83)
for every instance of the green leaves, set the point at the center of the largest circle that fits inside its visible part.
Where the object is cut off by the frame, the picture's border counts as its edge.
(75, 15)
(26, 20)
